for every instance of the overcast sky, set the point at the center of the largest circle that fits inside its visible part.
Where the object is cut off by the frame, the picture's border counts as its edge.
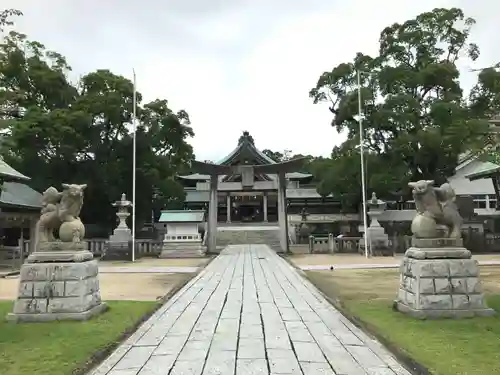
(235, 65)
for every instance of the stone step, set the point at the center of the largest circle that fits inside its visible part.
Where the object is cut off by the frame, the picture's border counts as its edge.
(249, 236)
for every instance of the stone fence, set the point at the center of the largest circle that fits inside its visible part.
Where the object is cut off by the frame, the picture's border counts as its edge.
(12, 257)
(475, 242)
(331, 244)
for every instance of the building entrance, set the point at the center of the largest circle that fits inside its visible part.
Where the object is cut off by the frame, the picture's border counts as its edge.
(247, 208)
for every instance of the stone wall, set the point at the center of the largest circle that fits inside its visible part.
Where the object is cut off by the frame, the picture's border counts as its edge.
(440, 287)
(58, 288)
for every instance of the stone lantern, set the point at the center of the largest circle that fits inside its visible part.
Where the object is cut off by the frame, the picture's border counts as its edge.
(122, 232)
(378, 240)
(119, 244)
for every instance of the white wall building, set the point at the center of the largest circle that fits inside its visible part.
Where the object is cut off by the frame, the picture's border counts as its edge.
(481, 191)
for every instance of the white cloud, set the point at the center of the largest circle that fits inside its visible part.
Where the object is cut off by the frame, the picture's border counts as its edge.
(235, 65)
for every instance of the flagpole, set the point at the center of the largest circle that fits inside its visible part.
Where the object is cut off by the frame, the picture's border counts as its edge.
(134, 151)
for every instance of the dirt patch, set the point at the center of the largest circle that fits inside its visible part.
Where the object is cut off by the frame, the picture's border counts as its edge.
(119, 286)
(329, 259)
(154, 262)
(381, 283)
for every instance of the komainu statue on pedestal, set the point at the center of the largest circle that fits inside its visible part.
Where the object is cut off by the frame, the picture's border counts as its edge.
(435, 207)
(438, 277)
(61, 211)
(64, 271)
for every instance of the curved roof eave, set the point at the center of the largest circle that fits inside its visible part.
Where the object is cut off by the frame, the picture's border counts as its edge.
(487, 170)
(20, 195)
(238, 148)
(217, 169)
(195, 176)
(8, 171)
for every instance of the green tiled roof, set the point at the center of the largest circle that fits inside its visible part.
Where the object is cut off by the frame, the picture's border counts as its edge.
(17, 194)
(485, 170)
(7, 170)
(181, 216)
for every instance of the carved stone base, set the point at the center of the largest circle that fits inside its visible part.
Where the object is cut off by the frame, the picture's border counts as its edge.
(61, 246)
(182, 250)
(58, 251)
(440, 288)
(378, 242)
(118, 251)
(121, 235)
(436, 243)
(59, 256)
(439, 253)
(58, 291)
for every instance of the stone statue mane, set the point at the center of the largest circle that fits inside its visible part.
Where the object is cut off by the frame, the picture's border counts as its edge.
(71, 202)
(435, 207)
(61, 211)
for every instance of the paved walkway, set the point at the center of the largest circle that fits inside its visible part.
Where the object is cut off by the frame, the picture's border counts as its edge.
(249, 312)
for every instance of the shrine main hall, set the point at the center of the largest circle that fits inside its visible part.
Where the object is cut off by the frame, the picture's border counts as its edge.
(258, 202)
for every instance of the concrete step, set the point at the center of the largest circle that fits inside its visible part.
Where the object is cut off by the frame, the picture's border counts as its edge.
(249, 235)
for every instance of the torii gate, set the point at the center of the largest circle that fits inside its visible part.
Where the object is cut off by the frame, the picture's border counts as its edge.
(247, 181)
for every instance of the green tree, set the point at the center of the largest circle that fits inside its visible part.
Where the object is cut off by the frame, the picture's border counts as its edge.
(275, 155)
(56, 131)
(416, 118)
(485, 103)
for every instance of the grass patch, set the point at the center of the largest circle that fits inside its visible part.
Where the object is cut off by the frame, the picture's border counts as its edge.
(445, 347)
(61, 348)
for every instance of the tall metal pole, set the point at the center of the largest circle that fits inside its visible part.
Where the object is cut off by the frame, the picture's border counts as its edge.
(362, 157)
(134, 152)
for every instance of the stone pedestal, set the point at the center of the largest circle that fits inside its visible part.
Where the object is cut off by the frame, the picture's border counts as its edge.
(121, 235)
(440, 282)
(182, 250)
(55, 285)
(60, 252)
(377, 239)
(116, 250)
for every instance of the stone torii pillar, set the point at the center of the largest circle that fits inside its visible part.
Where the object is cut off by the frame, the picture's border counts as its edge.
(212, 215)
(282, 212)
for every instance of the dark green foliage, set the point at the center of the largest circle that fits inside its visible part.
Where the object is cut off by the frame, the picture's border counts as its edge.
(417, 121)
(56, 131)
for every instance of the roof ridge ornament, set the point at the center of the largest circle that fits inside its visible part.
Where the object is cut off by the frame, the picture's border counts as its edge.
(246, 137)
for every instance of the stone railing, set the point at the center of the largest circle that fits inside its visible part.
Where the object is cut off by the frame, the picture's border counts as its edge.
(320, 244)
(331, 244)
(323, 218)
(97, 246)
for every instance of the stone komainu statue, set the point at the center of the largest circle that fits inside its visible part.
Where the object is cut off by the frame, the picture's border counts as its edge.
(61, 211)
(435, 207)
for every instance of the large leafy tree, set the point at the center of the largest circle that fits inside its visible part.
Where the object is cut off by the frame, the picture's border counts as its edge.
(485, 103)
(56, 131)
(416, 119)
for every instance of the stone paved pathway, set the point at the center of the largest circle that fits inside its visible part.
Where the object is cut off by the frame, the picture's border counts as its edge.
(249, 312)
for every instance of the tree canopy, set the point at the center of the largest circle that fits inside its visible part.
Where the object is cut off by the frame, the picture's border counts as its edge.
(57, 131)
(416, 118)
